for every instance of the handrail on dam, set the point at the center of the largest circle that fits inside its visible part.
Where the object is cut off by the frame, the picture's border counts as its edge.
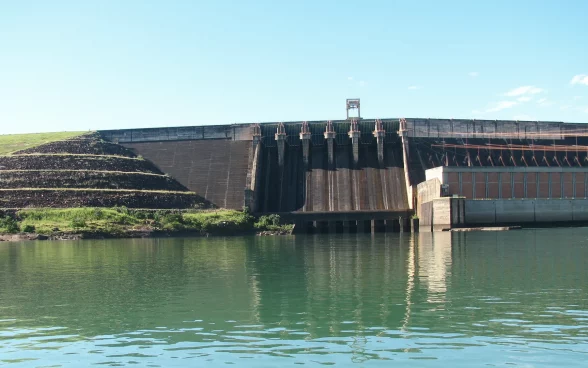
(415, 127)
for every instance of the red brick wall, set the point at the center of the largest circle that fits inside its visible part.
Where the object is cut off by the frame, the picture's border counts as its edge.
(506, 186)
(515, 182)
(531, 185)
(466, 185)
(493, 185)
(480, 185)
(555, 185)
(519, 185)
(580, 185)
(568, 185)
(543, 185)
(453, 183)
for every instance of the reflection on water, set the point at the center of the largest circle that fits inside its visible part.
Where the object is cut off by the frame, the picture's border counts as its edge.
(509, 298)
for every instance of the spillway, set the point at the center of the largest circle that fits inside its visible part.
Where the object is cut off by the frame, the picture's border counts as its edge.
(239, 165)
(338, 187)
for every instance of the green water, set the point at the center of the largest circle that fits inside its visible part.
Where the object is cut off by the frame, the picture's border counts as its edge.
(516, 298)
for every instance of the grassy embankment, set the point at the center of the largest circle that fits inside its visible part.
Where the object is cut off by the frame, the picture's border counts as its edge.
(16, 142)
(74, 175)
(123, 222)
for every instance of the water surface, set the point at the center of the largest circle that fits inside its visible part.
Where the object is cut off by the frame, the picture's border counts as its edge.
(514, 298)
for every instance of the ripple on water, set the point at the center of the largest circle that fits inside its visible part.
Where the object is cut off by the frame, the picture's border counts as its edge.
(358, 301)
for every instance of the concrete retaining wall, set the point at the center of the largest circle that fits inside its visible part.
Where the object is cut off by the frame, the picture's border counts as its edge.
(215, 169)
(426, 192)
(457, 212)
(462, 128)
(442, 213)
(236, 132)
(479, 212)
(513, 212)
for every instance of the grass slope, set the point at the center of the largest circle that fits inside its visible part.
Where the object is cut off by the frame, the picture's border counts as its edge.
(121, 221)
(16, 142)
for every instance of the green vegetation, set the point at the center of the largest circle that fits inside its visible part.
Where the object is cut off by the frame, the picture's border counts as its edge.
(272, 223)
(8, 225)
(121, 221)
(16, 142)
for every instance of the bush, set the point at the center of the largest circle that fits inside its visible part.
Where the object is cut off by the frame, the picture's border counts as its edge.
(142, 215)
(268, 221)
(219, 222)
(8, 225)
(122, 209)
(98, 214)
(171, 222)
(28, 229)
(77, 223)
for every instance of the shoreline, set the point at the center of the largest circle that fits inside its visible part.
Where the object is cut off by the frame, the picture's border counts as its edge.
(120, 222)
(20, 237)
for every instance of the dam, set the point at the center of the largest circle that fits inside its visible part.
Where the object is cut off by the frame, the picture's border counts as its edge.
(359, 174)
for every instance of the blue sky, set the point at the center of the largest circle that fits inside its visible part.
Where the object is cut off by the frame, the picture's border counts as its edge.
(80, 65)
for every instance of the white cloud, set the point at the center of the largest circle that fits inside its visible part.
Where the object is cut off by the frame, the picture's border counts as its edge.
(414, 87)
(473, 74)
(501, 106)
(349, 78)
(524, 90)
(565, 107)
(580, 79)
(524, 99)
(545, 102)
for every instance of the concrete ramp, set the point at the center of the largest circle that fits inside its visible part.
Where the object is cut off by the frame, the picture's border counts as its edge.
(215, 169)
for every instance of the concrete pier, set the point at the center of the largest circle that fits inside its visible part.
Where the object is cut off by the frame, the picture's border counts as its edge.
(379, 133)
(361, 228)
(346, 227)
(281, 143)
(346, 222)
(354, 134)
(332, 227)
(305, 139)
(330, 138)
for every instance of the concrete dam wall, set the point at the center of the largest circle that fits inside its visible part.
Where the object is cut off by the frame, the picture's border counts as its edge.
(232, 166)
(358, 173)
(337, 187)
(215, 169)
